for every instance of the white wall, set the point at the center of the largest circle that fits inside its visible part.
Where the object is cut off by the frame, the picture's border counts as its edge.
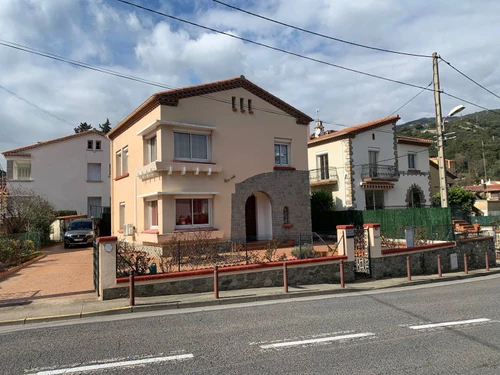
(361, 144)
(264, 216)
(420, 176)
(59, 173)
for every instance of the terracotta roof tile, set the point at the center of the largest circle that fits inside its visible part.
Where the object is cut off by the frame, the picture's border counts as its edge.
(353, 130)
(172, 97)
(20, 151)
(413, 140)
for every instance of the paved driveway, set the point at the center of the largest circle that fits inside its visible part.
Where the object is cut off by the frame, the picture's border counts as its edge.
(62, 273)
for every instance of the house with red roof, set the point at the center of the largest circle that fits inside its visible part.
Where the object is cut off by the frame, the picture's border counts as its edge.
(71, 172)
(227, 159)
(368, 166)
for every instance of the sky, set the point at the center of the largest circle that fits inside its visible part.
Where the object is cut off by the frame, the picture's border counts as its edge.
(111, 35)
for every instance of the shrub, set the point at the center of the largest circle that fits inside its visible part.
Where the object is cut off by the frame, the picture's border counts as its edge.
(307, 251)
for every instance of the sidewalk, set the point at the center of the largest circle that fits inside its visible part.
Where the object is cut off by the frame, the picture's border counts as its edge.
(88, 306)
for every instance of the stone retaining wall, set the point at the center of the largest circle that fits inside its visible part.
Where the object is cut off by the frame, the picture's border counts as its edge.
(264, 277)
(425, 262)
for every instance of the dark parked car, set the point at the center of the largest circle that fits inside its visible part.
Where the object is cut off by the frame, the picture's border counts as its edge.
(79, 232)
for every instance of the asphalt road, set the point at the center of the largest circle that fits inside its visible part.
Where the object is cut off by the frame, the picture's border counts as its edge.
(389, 332)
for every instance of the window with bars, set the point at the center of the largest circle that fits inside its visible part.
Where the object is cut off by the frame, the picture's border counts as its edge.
(94, 172)
(189, 146)
(22, 170)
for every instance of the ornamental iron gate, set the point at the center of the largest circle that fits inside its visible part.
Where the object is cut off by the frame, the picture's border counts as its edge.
(361, 252)
(96, 266)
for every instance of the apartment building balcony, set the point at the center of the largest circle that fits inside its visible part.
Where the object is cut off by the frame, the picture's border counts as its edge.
(323, 176)
(379, 172)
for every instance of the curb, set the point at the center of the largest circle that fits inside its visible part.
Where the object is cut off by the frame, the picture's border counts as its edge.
(232, 300)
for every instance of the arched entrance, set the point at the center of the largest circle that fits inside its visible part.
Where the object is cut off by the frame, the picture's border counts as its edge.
(258, 217)
(415, 197)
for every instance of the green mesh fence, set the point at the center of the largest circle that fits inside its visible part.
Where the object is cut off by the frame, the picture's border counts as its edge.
(485, 220)
(437, 221)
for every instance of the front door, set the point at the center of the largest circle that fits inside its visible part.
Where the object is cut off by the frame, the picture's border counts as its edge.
(251, 219)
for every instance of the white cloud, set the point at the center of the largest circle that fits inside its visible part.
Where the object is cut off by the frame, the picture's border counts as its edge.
(129, 40)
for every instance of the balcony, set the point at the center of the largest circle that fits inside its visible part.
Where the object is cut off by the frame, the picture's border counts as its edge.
(156, 168)
(323, 176)
(378, 172)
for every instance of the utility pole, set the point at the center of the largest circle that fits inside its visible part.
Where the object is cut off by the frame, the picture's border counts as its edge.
(3, 190)
(443, 187)
(484, 162)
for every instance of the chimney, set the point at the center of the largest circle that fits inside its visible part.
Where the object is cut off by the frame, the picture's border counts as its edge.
(319, 130)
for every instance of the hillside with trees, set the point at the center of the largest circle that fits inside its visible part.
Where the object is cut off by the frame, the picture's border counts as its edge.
(472, 131)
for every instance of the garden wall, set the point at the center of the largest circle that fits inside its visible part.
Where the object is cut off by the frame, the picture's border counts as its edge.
(300, 272)
(423, 260)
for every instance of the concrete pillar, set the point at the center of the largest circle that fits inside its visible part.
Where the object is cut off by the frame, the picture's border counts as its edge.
(107, 263)
(345, 236)
(374, 239)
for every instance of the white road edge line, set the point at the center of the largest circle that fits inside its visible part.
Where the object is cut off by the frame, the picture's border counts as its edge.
(447, 324)
(313, 341)
(115, 364)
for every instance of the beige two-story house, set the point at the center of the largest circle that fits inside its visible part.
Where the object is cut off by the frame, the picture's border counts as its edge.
(368, 166)
(227, 157)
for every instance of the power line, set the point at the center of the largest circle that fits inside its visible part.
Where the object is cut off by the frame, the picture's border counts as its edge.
(35, 106)
(273, 48)
(319, 34)
(408, 102)
(469, 102)
(135, 78)
(118, 74)
(469, 78)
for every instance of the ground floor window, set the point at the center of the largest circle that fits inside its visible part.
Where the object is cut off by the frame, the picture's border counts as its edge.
(192, 212)
(374, 199)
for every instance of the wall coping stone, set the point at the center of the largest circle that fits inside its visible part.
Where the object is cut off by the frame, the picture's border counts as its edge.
(418, 248)
(107, 239)
(210, 271)
(371, 225)
(348, 226)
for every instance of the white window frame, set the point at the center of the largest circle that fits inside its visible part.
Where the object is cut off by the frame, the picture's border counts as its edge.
(89, 174)
(118, 163)
(23, 164)
(149, 149)
(121, 219)
(149, 213)
(208, 136)
(414, 155)
(326, 171)
(210, 213)
(125, 160)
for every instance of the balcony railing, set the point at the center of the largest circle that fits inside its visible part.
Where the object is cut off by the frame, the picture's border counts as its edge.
(323, 175)
(378, 171)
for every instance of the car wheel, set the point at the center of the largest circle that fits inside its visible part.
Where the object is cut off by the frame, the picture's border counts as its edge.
(66, 246)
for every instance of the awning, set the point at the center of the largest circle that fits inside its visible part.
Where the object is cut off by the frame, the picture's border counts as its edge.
(377, 186)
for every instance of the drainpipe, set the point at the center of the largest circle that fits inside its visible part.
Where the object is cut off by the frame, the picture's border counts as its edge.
(135, 201)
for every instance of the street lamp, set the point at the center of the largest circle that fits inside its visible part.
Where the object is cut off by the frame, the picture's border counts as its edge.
(453, 112)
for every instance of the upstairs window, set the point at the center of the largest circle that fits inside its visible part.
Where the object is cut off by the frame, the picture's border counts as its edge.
(233, 100)
(90, 145)
(189, 146)
(22, 170)
(118, 163)
(250, 110)
(124, 160)
(412, 161)
(153, 214)
(242, 104)
(98, 145)
(94, 172)
(122, 214)
(281, 154)
(151, 149)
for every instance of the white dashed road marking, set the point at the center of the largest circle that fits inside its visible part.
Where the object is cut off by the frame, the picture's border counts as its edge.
(315, 341)
(145, 361)
(448, 324)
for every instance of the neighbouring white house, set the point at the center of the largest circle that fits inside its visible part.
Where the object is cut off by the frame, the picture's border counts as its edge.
(71, 172)
(369, 167)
